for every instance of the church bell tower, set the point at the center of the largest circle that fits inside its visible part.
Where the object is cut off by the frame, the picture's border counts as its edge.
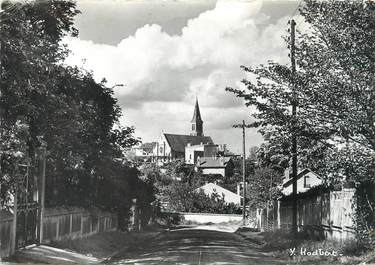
(196, 121)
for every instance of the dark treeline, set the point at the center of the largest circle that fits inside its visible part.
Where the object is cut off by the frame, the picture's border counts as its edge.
(43, 100)
(333, 89)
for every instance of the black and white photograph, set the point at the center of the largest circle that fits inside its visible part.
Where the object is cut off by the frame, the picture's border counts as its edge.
(187, 132)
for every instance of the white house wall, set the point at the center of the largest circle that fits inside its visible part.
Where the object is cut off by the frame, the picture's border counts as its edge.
(312, 180)
(160, 144)
(219, 171)
(189, 152)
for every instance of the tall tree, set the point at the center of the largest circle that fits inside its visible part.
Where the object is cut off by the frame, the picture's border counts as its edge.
(64, 106)
(334, 87)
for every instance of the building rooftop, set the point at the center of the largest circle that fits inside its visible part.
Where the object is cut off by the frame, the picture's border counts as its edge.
(178, 142)
(299, 175)
(218, 189)
(197, 113)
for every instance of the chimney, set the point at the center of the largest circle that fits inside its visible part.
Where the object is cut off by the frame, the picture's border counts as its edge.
(238, 189)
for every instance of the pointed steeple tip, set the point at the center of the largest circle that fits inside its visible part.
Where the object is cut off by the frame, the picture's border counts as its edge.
(197, 113)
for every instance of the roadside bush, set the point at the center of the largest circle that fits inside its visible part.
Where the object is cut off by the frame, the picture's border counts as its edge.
(184, 198)
(364, 215)
(169, 219)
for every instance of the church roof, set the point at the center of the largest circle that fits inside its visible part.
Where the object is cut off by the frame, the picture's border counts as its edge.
(197, 113)
(178, 142)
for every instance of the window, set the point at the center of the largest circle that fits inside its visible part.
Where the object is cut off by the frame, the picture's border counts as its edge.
(305, 184)
(193, 127)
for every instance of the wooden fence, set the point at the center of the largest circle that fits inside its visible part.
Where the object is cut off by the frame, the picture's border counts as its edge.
(60, 224)
(6, 223)
(322, 215)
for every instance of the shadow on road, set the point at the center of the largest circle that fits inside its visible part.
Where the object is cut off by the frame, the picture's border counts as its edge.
(195, 245)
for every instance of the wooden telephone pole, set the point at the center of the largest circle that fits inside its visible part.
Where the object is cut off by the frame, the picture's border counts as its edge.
(244, 173)
(294, 117)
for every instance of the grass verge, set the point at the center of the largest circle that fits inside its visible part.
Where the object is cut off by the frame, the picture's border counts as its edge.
(300, 249)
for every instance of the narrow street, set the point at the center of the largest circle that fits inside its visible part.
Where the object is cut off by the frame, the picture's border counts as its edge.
(195, 246)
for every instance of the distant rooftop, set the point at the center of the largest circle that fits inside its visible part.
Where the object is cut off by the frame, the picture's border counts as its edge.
(213, 162)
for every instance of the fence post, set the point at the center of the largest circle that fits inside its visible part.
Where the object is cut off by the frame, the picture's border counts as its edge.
(41, 188)
(14, 225)
(342, 194)
(71, 224)
(82, 216)
(57, 228)
(278, 214)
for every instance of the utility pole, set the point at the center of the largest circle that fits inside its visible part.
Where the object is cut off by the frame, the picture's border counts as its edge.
(243, 173)
(1, 135)
(294, 118)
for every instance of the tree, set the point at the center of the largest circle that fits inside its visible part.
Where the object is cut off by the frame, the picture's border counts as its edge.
(333, 87)
(30, 51)
(263, 187)
(77, 116)
(184, 198)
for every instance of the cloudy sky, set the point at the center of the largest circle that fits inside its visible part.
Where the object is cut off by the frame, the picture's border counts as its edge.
(166, 52)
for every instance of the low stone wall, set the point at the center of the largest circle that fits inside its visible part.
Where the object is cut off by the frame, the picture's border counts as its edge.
(202, 218)
(60, 224)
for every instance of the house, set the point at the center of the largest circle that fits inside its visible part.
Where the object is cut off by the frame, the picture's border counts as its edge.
(193, 152)
(141, 152)
(227, 195)
(172, 146)
(223, 166)
(306, 179)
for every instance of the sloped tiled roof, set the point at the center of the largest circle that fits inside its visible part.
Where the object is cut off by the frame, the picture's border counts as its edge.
(178, 142)
(148, 147)
(214, 187)
(211, 162)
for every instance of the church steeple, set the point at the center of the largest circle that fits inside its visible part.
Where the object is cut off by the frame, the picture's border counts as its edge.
(196, 121)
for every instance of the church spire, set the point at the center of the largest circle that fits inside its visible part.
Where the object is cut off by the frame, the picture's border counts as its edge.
(196, 121)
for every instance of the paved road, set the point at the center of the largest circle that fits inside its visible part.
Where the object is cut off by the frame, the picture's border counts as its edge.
(192, 246)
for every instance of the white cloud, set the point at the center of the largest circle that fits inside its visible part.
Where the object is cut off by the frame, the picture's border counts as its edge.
(163, 72)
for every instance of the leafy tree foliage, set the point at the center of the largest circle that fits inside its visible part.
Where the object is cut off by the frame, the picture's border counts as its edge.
(77, 117)
(334, 92)
(185, 198)
(176, 189)
(263, 187)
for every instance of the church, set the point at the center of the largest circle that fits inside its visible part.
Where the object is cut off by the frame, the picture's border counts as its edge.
(172, 146)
